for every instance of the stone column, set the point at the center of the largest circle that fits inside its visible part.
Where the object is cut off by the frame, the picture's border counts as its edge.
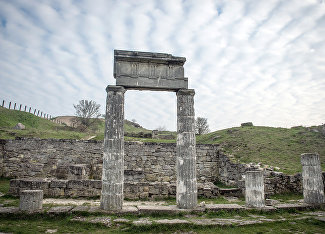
(113, 152)
(186, 187)
(312, 179)
(254, 189)
(31, 200)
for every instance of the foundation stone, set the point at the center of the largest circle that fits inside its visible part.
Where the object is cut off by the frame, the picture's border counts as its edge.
(31, 200)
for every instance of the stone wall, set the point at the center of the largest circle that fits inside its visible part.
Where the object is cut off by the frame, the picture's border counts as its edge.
(92, 188)
(145, 163)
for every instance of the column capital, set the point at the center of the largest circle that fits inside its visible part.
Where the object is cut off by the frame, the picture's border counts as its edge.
(115, 88)
(186, 92)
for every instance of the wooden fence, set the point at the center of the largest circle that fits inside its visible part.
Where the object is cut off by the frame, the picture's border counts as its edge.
(20, 107)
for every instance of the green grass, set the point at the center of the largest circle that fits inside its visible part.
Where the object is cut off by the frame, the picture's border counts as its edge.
(278, 147)
(286, 197)
(42, 128)
(129, 127)
(299, 226)
(40, 223)
(35, 126)
(7, 200)
(4, 185)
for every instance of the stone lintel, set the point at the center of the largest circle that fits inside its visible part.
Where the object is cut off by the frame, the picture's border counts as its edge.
(186, 92)
(135, 56)
(115, 88)
(149, 71)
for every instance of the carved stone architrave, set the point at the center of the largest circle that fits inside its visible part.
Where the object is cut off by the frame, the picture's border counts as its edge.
(149, 71)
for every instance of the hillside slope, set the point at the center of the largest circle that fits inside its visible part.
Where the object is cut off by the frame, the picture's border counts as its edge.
(35, 126)
(278, 147)
(42, 128)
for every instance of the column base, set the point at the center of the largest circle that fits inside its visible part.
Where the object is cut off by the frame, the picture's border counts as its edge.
(187, 201)
(111, 202)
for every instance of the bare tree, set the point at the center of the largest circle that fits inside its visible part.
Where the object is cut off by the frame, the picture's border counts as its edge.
(201, 126)
(86, 110)
(161, 128)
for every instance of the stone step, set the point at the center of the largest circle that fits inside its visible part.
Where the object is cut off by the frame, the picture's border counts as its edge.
(159, 209)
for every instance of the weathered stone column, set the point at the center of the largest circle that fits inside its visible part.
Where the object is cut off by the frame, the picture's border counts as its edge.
(254, 189)
(31, 200)
(312, 179)
(186, 187)
(113, 158)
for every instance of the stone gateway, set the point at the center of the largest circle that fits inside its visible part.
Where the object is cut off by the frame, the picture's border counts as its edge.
(157, 72)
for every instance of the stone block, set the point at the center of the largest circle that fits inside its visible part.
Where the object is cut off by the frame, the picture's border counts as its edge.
(58, 184)
(144, 195)
(294, 206)
(80, 209)
(254, 189)
(228, 207)
(78, 172)
(147, 209)
(34, 184)
(97, 184)
(56, 192)
(60, 209)
(313, 185)
(151, 177)
(14, 191)
(78, 184)
(14, 183)
(172, 221)
(151, 71)
(31, 200)
(247, 124)
(19, 126)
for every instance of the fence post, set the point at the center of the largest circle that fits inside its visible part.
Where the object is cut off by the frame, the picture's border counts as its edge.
(20, 107)
(3, 103)
(15, 106)
(34, 111)
(30, 109)
(25, 108)
(9, 105)
(41, 113)
(37, 112)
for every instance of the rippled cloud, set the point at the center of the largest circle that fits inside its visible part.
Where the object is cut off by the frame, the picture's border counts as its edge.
(259, 61)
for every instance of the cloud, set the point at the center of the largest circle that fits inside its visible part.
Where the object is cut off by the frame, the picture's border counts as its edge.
(259, 61)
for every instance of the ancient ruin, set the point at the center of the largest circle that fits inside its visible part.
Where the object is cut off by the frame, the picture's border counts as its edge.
(254, 189)
(31, 200)
(157, 72)
(313, 187)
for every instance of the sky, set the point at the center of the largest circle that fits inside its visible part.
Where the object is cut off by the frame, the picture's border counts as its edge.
(260, 61)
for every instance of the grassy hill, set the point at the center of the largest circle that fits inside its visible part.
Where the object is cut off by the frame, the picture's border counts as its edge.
(42, 128)
(277, 147)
